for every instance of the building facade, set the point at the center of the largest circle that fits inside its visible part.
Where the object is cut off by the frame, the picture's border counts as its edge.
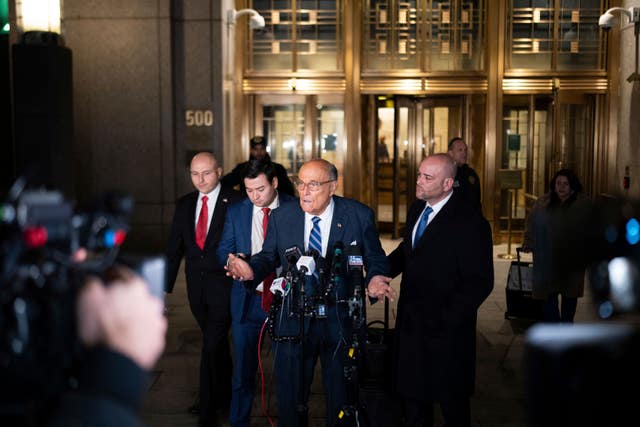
(532, 86)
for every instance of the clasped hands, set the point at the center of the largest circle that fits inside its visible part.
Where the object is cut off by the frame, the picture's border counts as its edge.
(238, 268)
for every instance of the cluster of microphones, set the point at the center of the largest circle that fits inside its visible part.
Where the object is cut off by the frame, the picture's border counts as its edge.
(330, 274)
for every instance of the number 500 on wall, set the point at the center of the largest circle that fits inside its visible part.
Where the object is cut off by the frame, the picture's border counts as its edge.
(198, 118)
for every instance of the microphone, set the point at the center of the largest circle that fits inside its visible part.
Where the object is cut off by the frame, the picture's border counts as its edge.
(280, 286)
(355, 268)
(336, 262)
(306, 265)
(354, 259)
(292, 255)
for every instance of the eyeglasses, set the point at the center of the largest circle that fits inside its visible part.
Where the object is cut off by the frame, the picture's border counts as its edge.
(312, 185)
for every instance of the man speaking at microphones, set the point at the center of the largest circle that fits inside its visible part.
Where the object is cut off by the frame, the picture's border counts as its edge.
(244, 230)
(319, 221)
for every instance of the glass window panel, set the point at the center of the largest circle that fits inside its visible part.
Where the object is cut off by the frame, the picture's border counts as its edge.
(576, 138)
(532, 24)
(455, 35)
(427, 35)
(385, 152)
(402, 151)
(331, 138)
(579, 35)
(298, 35)
(391, 35)
(284, 127)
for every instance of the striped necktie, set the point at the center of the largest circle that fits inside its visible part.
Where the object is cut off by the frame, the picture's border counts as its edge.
(315, 237)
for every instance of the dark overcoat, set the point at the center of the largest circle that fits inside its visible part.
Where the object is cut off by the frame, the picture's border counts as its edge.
(444, 281)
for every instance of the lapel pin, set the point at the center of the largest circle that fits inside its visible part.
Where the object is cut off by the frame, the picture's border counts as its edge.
(339, 225)
(224, 200)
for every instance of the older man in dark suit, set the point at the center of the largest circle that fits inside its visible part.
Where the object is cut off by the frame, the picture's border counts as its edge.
(446, 261)
(317, 222)
(195, 233)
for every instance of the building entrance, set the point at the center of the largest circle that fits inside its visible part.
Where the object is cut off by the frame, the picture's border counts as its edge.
(408, 129)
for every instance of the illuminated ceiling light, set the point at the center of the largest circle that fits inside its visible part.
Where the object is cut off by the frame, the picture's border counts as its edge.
(302, 84)
(39, 15)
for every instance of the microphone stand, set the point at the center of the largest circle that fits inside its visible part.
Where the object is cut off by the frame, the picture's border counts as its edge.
(302, 408)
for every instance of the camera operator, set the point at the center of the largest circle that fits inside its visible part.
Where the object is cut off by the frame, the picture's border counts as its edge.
(123, 327)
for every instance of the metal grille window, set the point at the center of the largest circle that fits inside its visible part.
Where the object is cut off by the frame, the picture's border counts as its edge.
(554, 35)
(299, 35)
(424, 35)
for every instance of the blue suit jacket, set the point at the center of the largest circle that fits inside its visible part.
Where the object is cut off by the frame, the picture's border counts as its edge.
(352, 222)
(236, 238)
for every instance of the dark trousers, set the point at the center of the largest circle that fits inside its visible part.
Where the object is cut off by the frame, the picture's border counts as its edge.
(323, 339)
(245, 332)
(215, 359)
(565, 312)
(456, 413)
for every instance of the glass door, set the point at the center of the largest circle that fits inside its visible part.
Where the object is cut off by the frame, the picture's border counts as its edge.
(408, 129)
(302, 127)
(534, 149)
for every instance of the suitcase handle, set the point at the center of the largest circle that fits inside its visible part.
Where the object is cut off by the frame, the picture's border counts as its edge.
(518, 249)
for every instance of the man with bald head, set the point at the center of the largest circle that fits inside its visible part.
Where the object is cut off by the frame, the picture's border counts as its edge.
(318, 222)
(195, 233)
(446, 261)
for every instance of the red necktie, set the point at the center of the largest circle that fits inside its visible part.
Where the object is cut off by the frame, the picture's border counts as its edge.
(267, 296)
(201, 226)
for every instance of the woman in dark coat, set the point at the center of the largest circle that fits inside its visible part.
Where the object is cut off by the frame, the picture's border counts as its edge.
(565, 193)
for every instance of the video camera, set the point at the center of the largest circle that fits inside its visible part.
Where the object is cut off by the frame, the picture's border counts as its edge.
(581, 374)
(41, 237)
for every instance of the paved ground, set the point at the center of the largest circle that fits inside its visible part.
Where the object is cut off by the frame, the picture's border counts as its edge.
(499, 398)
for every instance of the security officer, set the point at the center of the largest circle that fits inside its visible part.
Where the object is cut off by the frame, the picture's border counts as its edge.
(258, 152)
(466, 183)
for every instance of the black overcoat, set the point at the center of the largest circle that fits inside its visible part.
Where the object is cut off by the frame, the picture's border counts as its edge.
(444, 281)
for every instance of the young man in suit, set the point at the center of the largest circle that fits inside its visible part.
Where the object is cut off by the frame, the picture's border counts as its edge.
(195, 234)
(319, 221)
(446, 261)
(244, 231)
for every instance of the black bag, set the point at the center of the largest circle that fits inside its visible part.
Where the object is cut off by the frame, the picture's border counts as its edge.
(520, 302)
(377, 405)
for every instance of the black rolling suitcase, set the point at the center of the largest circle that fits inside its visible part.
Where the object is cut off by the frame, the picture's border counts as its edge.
(377, 406)
(520, 302)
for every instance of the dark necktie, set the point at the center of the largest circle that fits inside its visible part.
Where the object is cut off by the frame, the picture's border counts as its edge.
(422, 225)
(201, 226)
(267, 296)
